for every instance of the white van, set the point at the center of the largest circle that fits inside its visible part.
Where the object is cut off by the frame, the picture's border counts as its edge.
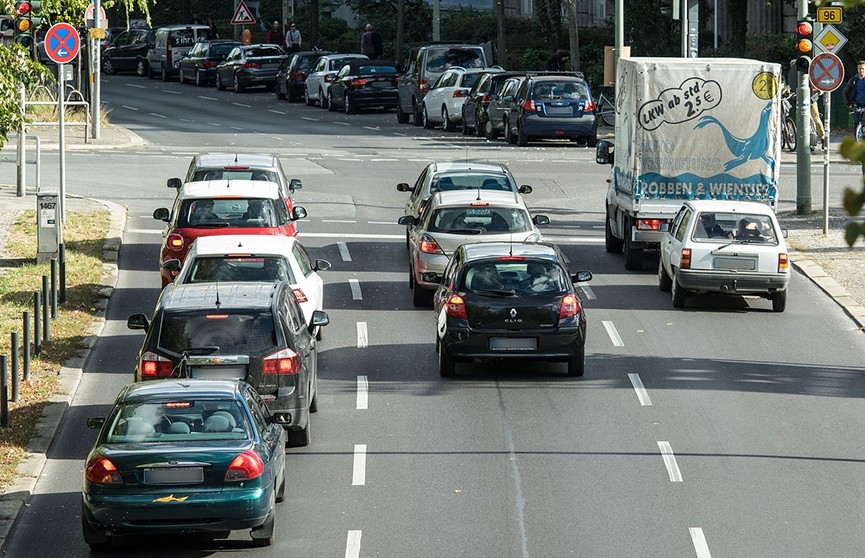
(170, 44)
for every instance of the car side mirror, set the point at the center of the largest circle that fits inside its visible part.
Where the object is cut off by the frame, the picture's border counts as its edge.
(431, 277)
(581, 276)
(604, 153)
(298, 212)
(321, 265)
(403, 187)
(319, 319)
(175, 183)
(95, 423)
(508, 98)
(407, 220)
(172, 265)
(525, 189)
(541, 220)
(138, 321)
(784, 233)
(161, 214)
(295, 184)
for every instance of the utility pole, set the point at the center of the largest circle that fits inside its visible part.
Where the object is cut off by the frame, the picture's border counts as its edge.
(96, 70)
(803, 126)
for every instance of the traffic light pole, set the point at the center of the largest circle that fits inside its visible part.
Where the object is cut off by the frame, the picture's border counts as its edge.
(22, 143)
(96, 70)
(803, 128)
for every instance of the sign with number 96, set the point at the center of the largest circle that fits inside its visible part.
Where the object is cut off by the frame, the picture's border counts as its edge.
(829, 15)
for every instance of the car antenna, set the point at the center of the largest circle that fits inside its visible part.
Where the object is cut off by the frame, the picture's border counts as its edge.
(479, 195)
(218, 302)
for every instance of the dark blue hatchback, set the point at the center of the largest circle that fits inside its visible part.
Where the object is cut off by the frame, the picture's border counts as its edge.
(556, 106)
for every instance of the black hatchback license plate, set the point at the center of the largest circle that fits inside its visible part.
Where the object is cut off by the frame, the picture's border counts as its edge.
(174, 475)
(513, 343)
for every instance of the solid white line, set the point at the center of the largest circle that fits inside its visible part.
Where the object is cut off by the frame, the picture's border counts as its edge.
(373, 128)
(145, 231)
(670, 462)
(128, 107)
(355, 289)
(362, 392)
(158, 115)
(614, 335)
(349, 160)
(310, 119)
(352, 545)
(642, 394)
(337, 221)
(134, 85)
(362, 338)
(276, 111)
(700, 544)
(574, 239)
(208, 98)
(241, 105)
(213, 124)
(358, 476)
(172, 92)
(383, 160)
(342, 123)
(347, 235)
(384, 223)
(236, 128)
(587, 290)
(343, 251)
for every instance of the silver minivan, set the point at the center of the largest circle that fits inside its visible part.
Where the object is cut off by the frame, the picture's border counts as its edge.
(170, 45)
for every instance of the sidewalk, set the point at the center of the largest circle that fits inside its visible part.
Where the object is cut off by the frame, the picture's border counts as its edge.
(111, 137)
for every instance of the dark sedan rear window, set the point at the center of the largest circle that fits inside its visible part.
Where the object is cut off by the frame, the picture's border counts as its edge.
(180, 420)
(231, 332)
(551, 90)
(376, 70)
(209, 269)
(255, 52)
(221, 49)
(228, 212)
(469, 80)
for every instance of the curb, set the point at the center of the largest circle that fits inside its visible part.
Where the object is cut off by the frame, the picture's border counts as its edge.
(830, 286)
(127, 139)
(15, 498)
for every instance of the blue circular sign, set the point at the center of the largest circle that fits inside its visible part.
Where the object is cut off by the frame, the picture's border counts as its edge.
(826, 72)
(62, 43)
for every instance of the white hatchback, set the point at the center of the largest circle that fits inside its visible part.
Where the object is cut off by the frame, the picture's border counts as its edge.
(729, 247)
(443, 103)
(248, 258)
(317, 84)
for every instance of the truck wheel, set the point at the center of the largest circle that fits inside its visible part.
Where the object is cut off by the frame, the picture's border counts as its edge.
(633, 256)
(611, 243)
(665, 283)
(779, 301)
(678, 292)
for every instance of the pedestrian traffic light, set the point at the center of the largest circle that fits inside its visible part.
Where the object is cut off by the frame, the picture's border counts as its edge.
(804, 43)
(23, 24)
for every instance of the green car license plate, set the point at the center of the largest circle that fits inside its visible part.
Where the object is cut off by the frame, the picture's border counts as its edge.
(174, 475)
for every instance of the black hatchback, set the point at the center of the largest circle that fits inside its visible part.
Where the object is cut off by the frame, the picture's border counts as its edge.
(254, 332)
(364, 83)
(199, 65)
(509, 301)
(248, 66)
(292, 74)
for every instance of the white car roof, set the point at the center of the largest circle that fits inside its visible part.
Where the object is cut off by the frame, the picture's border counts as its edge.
(259, 245)
(731, 206)
(458, 198)
(451, 166)
(222, 188)
(242, 159)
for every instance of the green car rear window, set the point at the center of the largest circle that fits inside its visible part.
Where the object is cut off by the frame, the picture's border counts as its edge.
(181, 420)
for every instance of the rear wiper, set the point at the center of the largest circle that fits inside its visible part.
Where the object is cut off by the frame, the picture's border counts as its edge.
(464, 231)
(219, 225)
(495, 292)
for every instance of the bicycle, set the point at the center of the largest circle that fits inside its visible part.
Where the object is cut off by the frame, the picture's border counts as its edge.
(788, 129)
(605, 109)
(860, 128)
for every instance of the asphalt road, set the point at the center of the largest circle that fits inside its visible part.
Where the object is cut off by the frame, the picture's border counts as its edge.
(723, 429)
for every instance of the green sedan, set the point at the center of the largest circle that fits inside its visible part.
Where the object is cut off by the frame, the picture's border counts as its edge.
(183, 456)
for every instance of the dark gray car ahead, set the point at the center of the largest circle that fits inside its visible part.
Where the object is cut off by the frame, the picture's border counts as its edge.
(250, 66)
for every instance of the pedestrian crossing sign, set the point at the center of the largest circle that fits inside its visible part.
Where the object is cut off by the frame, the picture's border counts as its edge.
(242, 15)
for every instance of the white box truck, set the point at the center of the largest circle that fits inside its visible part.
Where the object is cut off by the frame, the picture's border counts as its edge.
(687, 128)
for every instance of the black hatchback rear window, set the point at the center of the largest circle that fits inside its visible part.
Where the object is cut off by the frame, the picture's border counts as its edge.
(230, 332)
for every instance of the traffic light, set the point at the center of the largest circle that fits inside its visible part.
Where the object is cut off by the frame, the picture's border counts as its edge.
(804, 43)
(23, 24)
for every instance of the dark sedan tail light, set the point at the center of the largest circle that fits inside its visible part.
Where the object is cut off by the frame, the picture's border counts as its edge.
(251, 65)
(281, 363)
(153, 366)
(486, 98)
(570, 307)
(297, 75)
(102, 471)
(246, 466)
(456, 307)
(359, 82)
(211, 63)
(174, 242)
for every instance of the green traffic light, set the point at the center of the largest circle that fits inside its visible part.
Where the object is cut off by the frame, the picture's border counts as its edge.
(24, 40)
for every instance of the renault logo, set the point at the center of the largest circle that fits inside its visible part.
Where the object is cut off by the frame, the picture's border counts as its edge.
(513, 312)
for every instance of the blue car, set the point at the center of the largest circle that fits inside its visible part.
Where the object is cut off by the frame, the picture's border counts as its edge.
(184, 456)
(552, 106)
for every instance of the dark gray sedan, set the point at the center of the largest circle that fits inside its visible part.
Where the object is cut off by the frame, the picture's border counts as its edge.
(250, 66)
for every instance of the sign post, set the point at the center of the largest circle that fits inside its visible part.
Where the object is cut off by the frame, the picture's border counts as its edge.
(827, 75)
(62, 45)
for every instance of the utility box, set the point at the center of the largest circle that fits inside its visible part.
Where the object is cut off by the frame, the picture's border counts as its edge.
(47, 226)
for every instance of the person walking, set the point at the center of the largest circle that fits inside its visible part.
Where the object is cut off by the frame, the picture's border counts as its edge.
(854, 93)
(212, 24)
(293, 38)
(275, 36)
(558, 61)
(377, 47)
(366, 44)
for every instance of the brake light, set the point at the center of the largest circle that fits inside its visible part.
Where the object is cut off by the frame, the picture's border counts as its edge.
(570, 307)
(529, 104)
(358, 82)
(217, 316)
(251, 65)
(280, 363)
(685, 261)
(456, 307)
(154, 366)
(245, 466)
(479, 204)
(178, 405)
(649, 224)
(460, 93)
(211, 63)
(511, 258)
(486, 98)
(102, 471)
(428, 245)
(174, 242)
(590, 105)
(396, 80)
(297, 75)
(423, 86)
(783, 263)
(300, 295)
(235, 167)
(328, 78)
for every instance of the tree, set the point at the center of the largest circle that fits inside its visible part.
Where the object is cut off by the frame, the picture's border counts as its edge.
(16, 67)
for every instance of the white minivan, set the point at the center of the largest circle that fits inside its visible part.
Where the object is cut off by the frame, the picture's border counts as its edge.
(170, 45)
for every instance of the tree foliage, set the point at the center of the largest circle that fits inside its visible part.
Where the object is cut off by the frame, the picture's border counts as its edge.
(16, 67)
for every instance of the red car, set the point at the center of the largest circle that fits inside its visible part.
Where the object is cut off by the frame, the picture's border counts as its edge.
(223, 207)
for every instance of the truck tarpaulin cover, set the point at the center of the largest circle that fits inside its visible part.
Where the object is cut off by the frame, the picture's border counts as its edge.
(698, 129)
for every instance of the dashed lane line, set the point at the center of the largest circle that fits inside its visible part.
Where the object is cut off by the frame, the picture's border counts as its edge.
(358, 475)
(206, 98)
(134, 85)
(352, 235)
(362, 393)
(343, 251)
(362, 336)
(310, 119)
(613, 333)
(342, 123)
(276, 111)
(670, 462)
(128, 107)
(642, 393)
(172, 92)
(355, 289)
(701, 547)
(241, 105)
(338, 221)
(158, 115)
(352, 544)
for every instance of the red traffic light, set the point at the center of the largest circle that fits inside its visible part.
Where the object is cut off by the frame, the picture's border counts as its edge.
(804, 28)
(23, 8)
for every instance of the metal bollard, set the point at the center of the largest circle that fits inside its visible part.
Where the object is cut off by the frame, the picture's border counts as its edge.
(53, 288)
(14, 336)
(26, 345)
(37, 323)
(62, 273)
(46, 330)
(4, 402)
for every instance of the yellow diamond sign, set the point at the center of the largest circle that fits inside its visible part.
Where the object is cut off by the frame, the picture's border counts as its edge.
(830, 39)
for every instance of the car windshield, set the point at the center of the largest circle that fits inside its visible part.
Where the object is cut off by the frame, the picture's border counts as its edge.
(471, 181)
(440, 59)
(178, 420)
(552, 90)
(235, 174)
(515, 275)
(480, 220)
(209, 269)
(228, 212)
(712, 226)
(232, 331)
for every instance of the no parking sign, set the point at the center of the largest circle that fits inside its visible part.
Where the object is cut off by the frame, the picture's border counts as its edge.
(62, 43)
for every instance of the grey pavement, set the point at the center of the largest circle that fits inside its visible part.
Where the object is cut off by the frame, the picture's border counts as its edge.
(826, 260)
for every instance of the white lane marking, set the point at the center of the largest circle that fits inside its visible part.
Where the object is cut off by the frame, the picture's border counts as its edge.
(670, 461)
(362, 392)
(310, 119)
(343, 251)
(355, 289)
(399, 134)
(145, 231)
(276, 111)
(384, 223)
(383, 160)
(362, 337)
(172, 92)
(574, 239)
(337, 221)
(597, 226)
(134, 85)
(587, 290)
(213, 124)
(614, 335)
(158, 115)
(186, 120)
(350, 160)
(642, 394)
(236, 128)
(373, 128)
(342, 123)
(347, 235)
(241, 105)
(352, 544)
(700, 544)
(128, 107)
(207, 98)
(358, 476)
